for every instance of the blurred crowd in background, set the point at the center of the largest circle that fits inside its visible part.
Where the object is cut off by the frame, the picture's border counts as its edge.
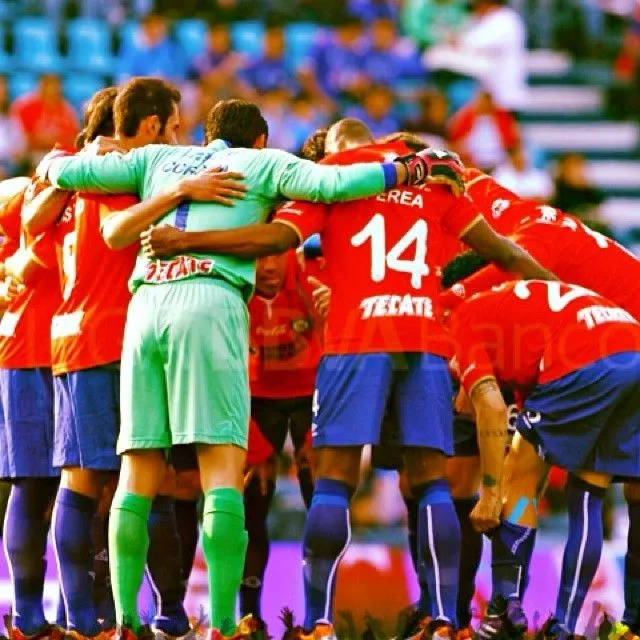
(453, 71)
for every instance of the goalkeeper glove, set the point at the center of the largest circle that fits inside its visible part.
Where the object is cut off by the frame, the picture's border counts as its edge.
(435, 166)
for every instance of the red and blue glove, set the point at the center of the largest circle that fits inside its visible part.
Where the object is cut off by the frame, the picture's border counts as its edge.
(435, 166)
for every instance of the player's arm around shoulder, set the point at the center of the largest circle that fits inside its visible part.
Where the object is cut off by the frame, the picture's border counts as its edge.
(503, 252)
(44, 210)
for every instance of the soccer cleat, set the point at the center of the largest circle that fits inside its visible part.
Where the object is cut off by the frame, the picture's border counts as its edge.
(439, 630)
(125, 633)
(245, 630)
(48, 632)
(415, 624)
(504, 620)
(553, 630)
(161, 635)
(320, 631)
(465, 634)
(621, 631)
(72, 634)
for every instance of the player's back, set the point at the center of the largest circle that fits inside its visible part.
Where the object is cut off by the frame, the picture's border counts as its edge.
(382, 256)
(577, 254)
(534, 331)
(88, 327)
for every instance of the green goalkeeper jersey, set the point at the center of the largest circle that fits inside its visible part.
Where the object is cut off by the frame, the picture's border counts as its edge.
(271, 176)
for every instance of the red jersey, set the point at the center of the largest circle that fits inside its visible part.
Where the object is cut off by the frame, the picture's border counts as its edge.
(575, 254)
(88, 326)
(530, 332)
(26, 325)
(285, 343)
(382, 258)
(503, 210)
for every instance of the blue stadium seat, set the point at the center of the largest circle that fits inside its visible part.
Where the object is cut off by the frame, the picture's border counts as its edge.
(247, 37)
(191, 35)
(128, 32)
(79, 88)
(21, 83)
(300, 37)
(36, 45)
(89, 46)
(5, 59)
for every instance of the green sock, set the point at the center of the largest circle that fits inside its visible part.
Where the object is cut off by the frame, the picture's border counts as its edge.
(128, 545)
(224, 543)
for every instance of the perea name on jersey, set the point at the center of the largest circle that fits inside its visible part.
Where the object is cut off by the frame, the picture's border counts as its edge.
(382, 256)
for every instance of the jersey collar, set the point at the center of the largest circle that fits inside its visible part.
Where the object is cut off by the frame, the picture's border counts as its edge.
(218, 145)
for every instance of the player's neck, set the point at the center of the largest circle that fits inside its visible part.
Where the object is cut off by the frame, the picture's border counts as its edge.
(129, 143)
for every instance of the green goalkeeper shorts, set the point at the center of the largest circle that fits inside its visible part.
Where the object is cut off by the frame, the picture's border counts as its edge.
(184, 366)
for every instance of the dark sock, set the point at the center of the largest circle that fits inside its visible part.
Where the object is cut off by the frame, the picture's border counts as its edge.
(424, 602)
(256, 510)
(511, 550)
(61, 612)
(25, 538)
(327, 534)
(631, 615)
(439, 544)
(164, 568)
(582, 550)
(102, 595)
(71, 530)
(305, 480)
(470, 556)
(188, 523)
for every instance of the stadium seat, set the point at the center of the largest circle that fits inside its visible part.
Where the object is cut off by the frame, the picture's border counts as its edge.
(79, 88)
(247, 37)
(128, 32)
(191, 35)
(21, 83)
(36, 45)
(5, 59)
(89, 46)
(300, 37)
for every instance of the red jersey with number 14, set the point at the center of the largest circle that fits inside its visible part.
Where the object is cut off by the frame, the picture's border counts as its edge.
(382, 257)
(88, 326)
(530, 332)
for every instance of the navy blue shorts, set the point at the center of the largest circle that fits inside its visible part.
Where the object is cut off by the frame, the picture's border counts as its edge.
(26, 423)
(589, 420)
(352, 393)
(87, 413)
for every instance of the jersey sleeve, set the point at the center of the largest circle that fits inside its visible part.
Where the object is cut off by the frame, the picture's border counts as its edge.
(305, 218)
(482, 280)
(296, 179)
(461, 216)
(8, 246)
(471, 363)
(112, 173)
(10, 220)
(538, 249)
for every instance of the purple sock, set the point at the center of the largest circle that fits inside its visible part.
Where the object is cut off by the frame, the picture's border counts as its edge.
(439, 546)
(582, 550)
(327, 534)
(164, 564)
(72, 521)
(25, 538)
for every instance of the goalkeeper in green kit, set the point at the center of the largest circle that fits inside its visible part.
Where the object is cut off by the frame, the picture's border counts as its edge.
(184, 362)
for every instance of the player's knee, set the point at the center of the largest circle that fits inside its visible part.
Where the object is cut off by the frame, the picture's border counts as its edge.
(632, 491)
(463, 476)
(341, 464)
(86, 482)
(221, 466)
(142, 472)
(424, 465)
(187, 485)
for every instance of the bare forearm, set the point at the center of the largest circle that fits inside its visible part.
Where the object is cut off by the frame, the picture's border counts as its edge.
(249, 242)
(43, 211)
(515, 260)
(123, 228)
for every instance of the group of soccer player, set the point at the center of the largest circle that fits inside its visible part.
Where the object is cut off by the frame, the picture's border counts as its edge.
(141, 354)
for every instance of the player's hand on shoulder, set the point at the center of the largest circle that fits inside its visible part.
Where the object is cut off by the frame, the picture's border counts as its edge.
(162, 242)
(213, 185)
(101, 145)
(435, 166)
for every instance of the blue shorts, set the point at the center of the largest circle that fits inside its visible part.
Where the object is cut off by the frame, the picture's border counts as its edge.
(26, 423)
(352, 393)
(589, 420)
(87, 413)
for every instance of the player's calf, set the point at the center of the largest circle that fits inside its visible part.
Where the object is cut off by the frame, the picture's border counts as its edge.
(631, 616)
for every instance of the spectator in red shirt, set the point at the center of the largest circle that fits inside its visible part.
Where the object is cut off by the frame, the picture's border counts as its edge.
(482, 132)
(46, 116)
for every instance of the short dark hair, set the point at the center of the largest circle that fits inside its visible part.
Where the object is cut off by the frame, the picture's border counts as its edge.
(238, 122)
(461, 267)
(98, 116)
(313, 147)
(141, 98)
